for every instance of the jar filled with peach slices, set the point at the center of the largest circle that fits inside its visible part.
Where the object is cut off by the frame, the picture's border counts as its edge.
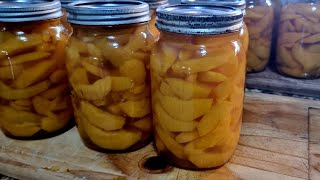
(240, 4)
(108, 66)
(153, 5)
(197, 79)
(298, 51)
(34, 96)
(260, 21)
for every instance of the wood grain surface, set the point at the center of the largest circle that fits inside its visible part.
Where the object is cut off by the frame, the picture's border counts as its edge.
(280, 139)
(272, 81)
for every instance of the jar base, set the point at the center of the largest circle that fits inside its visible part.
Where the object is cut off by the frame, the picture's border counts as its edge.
(43, 134)
(306, 77)
(184, 164)
(139, 145)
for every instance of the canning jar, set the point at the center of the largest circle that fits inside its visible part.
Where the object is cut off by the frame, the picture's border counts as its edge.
(259, 19)
(34, 97)
(64, 17)
(197, 80)
(107, 61)
(240, 4)
(153, 5)
(298, 52)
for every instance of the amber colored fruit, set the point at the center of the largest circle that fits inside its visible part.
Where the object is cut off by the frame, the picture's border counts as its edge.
(34, 91)
(197, 98)
(108, 73)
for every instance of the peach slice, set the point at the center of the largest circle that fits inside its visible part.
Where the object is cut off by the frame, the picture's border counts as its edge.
(113, 140)
(171, 124)
(187, 90)
(185, 110)
(136, 109)
(218, 114)
(100, 118)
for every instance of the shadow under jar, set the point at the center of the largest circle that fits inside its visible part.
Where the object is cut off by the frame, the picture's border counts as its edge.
(107, 61)
(240, 4)
(197, 80)
(260, 21)
(298, 52)
(34, 96)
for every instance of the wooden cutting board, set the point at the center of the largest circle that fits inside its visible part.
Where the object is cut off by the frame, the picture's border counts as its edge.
(280, 139)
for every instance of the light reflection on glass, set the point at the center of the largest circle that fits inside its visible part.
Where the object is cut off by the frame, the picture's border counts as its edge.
(237, 46)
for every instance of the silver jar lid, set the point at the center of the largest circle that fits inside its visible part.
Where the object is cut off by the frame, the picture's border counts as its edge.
(154, 4)
(199, 19)
(29, 10)
(64, 3)
(107, 12)
(241, 4)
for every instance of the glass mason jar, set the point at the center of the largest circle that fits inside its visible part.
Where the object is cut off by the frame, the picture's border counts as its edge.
(34, 96)
(197, 84)
(153, 5)
(240, 4)
(64, 18)
(298, 52)
(259, 19)
(107, 61)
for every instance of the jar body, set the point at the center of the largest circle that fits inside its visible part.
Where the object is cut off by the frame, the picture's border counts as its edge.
(197, 96)
(108, 73)
(244, 37)
(64, 20)
(152, 24)
(34, 93)
(298, 53)
(260, 20)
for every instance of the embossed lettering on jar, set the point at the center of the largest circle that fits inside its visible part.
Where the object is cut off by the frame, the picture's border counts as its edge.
(197, 79)
(34, 97)
(108, 66)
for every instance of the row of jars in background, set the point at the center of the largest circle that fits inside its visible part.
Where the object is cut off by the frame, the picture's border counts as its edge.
(287, 33)
(295, 46)
(272, 34)
(194, 102)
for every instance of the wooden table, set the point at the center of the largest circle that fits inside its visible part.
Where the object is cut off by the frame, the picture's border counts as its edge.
(280, 139)
(272, 81)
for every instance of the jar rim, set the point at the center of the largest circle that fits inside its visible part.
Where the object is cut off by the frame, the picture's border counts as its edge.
(107, 12)
(28, 10)
(154, 4)
(199, 19)
(241, 4)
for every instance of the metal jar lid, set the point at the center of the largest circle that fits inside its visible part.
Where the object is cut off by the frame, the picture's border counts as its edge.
(241, 4)
(154, 4)
(107, 12)
(29, 10)
(64, 3)
(199, 19)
